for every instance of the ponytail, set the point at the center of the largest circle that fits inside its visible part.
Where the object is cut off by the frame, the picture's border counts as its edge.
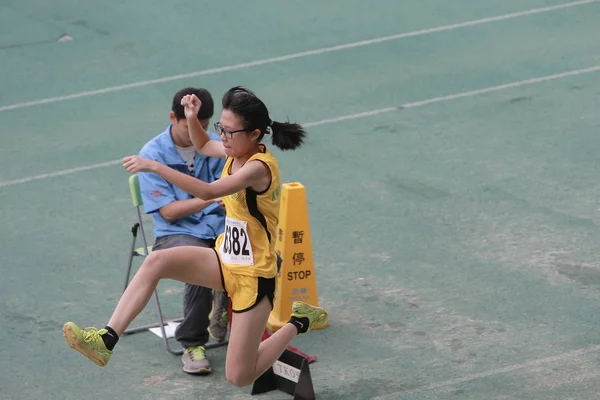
(255, 115)
(286, 135)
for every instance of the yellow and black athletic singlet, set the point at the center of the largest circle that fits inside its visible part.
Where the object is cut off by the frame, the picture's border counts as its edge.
(247, 246)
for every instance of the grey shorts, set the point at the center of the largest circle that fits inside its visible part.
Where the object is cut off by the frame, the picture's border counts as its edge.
(165, 242)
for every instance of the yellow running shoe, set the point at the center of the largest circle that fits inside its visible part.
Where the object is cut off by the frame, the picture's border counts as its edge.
(317, 317)
(88, 342)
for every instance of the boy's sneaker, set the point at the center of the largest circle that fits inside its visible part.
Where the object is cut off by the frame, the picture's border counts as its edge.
(219, 319)
(317, 317)
(218, 325)
(195, 362)
(88, 342)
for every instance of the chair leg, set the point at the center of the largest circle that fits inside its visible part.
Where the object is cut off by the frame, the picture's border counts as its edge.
(162, 324)
(159, 313)
(179, 351)
(162, 327)
(131, 254)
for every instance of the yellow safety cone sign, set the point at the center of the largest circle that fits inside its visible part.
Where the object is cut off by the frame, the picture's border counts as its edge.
(296, 280)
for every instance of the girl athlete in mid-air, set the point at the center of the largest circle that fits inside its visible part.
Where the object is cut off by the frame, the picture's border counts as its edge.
(243, 262)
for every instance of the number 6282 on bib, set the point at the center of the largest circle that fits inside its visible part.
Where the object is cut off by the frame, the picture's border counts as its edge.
(236, 247)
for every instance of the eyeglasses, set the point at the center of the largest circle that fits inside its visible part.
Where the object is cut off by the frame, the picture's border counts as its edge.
(226, 132)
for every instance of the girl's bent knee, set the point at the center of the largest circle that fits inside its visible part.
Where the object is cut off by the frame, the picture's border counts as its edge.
(238, 378)
(154, 263)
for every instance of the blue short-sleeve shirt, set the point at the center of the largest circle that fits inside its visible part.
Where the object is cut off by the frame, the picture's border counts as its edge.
(157, 192)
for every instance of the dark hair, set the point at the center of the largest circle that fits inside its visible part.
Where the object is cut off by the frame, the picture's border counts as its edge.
(206, 110)
(255, 115)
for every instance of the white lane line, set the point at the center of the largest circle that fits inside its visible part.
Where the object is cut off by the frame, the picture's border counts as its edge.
(456, 96)
(348, 117)
(292, 56)
(60, 173)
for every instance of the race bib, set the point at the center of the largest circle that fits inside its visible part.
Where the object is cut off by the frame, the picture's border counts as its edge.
(236, 247)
